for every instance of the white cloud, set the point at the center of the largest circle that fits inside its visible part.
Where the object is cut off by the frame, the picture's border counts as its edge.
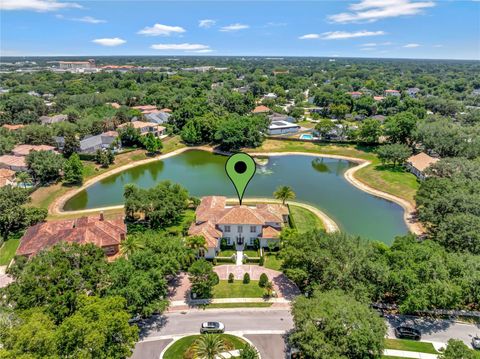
(161, 30)
(309, 36)
(411, 46)
(440, 45)
(373, 10)
(89, 19)
(203, 51)
(234, 27)
(374, 44)
(115, 41)
(206, 23)
(181, 47)
(340, 35)
(36, 5)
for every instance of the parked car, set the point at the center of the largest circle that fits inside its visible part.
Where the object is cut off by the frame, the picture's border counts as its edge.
(212, 327)
(406, 332)
(476, 342)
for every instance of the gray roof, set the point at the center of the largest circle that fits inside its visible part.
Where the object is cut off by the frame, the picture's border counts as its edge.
(157, 117)
(94, 141)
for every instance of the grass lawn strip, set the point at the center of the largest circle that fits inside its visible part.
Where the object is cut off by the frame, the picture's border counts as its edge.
(7, 251)
(410, 345)
(237, 290)
(272, 261)
(178, 348)
(304, 219)
(236, 305)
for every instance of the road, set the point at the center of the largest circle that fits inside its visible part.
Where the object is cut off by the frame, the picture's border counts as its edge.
(266, 328)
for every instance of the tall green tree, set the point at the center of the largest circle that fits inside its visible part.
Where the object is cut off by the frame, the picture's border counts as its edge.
(370, 130)
(73, 170)
(284, 193)
(396, 153)
(45, 166)
(456, 349)
(202, 277)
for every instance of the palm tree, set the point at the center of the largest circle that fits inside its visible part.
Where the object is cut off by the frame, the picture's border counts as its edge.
(23, 178)
(284, 193)
(209, 346)
(196, 243)
(269, 288)
(130, 245)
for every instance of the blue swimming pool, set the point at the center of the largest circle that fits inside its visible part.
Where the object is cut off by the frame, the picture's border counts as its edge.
(306, 137)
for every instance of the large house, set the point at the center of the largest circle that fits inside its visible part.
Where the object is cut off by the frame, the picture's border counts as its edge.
(7, 177)
(106, 234)
(240, 226)
(146, 127)
(391, 93)
(100, 142)
(282, 127)
(48, 120)
(24, 150)
(417, 164)
(14, 163)
(261, 109)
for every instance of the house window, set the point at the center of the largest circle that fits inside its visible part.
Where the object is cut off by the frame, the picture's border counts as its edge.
(228, 241)
(227, 229)
(253, 229)
(201, 253)
(240, 229)
(252, 241)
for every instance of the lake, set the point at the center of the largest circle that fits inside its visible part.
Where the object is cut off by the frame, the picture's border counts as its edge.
(315, 180)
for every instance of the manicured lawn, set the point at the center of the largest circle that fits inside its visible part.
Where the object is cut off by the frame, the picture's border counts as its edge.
(7, 251)
(179, 348)
(227, 253)
(410, 345)
(304, 219)
(251, 253)
(273, 261)
(237, 305)
(237, 290)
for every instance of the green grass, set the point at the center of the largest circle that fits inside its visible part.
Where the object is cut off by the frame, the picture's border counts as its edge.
(185, 221)
(227, 253)
(273, 261)
(179, 348)
(410, 345)
(251, 253)
(304, 219)
(237, 305)
(237, 290)
(7, 251)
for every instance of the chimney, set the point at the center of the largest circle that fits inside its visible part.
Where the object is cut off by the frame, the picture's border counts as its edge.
(102, 217)
(122, 237)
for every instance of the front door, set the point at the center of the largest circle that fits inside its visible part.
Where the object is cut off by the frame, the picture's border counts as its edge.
(240, 241)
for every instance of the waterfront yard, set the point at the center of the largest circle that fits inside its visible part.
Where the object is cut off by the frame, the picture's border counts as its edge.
(304, 220)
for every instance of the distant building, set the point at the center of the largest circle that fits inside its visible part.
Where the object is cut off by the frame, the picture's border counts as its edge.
(115, 105)
(282, 127)
(378, 98)
(355, 94)
(476, 92)
(158, 117)
(270, 96)
(74, 65)
(281, 117)
(48, 120)
(391, 93)
(243, 89)
(380, 118)
(261, 109)
(99, 142)
(24, 150)
(413, 91)
(106, 234)
(417, 164)
(145, 108)
(7, 177)
(12, 127)
(14, 163)
(146, 127)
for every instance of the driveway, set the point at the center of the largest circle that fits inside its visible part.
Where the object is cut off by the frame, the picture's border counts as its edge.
(149, 350)
(270, 346)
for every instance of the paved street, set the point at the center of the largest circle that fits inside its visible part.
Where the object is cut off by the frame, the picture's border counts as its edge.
(265, 328)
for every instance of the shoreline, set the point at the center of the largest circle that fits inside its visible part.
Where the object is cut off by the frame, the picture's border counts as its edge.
(56, 207)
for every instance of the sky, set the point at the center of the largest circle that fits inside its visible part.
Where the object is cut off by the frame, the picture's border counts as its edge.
(432, 29)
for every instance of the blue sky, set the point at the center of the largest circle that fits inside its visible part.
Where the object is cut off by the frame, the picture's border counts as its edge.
(438, 29)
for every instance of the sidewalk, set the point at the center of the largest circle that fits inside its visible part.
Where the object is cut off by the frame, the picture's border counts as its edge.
(193, 302)
(407, 354)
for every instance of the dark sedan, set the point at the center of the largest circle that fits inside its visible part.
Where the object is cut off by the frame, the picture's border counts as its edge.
(406, 332)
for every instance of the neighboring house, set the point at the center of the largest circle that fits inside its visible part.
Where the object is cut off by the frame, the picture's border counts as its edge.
(413, 91)
(391, 93)
(106, 234)
(12, 127)
(240, 225)
(282, 127)
(34, 93)
(476, 92)
(146, 127)
(48, 120)
(378, 98)
(380, 118)
(145, 108)
(115, 105)
(243, 89)
(270, 96)
(24, 150)
(417, 164)
(281, 117)
(312, 110)
(166, 110)
(355, 94)
(158, 117)
(14, 163)
(7, 177)
(261, 109)
(99, 142)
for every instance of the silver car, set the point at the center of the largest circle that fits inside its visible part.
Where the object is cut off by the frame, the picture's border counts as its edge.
(212, 327)
(476, 342)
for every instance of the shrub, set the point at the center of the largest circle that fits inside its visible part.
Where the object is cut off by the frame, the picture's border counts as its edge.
(246, 278)
(216, 279)
(261, 262)
(231, 278)
(263, 280)
(223, 244)
(214, 261)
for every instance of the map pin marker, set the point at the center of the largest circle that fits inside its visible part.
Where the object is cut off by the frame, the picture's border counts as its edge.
(240, 168)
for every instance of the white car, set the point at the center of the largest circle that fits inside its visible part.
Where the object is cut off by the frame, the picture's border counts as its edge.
(476, 342)
(212, 327)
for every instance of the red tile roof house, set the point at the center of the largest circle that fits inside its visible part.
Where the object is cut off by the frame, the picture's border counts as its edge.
(261, 109)
(14, 163)
(24, 150)
(417, 164)
(106, 234)
(239, 225)
(355, 94)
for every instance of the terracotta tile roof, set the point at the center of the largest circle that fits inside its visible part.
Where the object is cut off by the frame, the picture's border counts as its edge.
(270, 232)
(12, 127)
(6, 173)
(24, 150)
(13, 161)
(207, 230)
(166, 110)
(145, 107)
(392, 91)
(141, 124)
(422, 161)
(261, 109)
(114, 104)
(378, 98)
(355, 93)
(273, 212)
(93, 229)
(110, 133)
(241, 215)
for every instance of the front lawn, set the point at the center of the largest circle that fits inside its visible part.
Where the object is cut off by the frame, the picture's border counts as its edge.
(180, 347)
(237, 305)
(237, 290)
(273, 261)
(8, 249)
(304, 219)
(410, 345)
(227, 253)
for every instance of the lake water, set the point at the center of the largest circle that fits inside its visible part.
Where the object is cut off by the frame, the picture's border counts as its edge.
(315, 180)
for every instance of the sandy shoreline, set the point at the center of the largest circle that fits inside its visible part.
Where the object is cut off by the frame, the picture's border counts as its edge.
(56, 207)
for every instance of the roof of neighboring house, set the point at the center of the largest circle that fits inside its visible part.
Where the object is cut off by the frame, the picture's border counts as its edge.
(355, 93)
(6, 173)
(23, 150)
(207, 230)
(84, 230)
(145, 107)
(97, 140)
(422, 161)
(53, 119)
(157, 116)
(12, 127)
(166, 110)
(392, 91)
(13, 161)
(261, 109)
(270, 232)
(378, 98)
(142, 124)
(114, 104)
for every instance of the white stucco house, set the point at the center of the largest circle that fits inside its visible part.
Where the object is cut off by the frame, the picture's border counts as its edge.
(282, 127)
(240, 226)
